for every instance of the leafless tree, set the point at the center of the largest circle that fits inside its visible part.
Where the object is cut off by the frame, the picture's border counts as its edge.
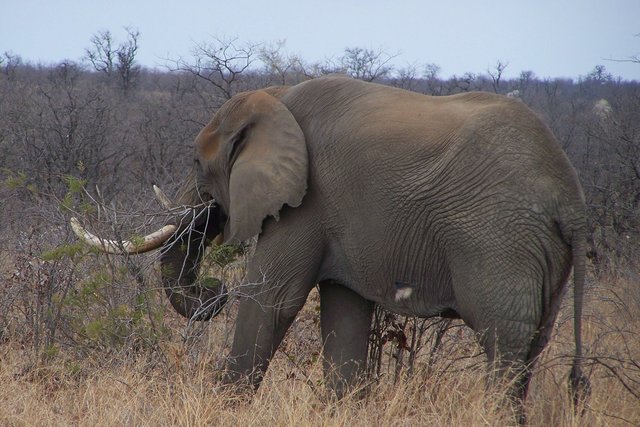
(283, 68)
(525, 81)
(465, 83)
(431, 75)
(9, 63)
(496, 74)
(367, 64)
(221, 64)
(102, 53)
(126, 66)
(407, 77)
(600, 75)
(113, 60)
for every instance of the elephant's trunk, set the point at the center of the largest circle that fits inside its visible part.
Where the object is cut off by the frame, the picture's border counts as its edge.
(180, 263)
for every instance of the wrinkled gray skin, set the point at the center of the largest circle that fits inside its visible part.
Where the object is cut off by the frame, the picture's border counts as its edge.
(463, 206)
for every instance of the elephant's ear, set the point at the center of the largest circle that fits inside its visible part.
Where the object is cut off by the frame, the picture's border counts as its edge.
(269, 166)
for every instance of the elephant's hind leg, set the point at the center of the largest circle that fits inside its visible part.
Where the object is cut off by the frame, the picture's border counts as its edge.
(508, 345)
(503, 304)
(345, 319)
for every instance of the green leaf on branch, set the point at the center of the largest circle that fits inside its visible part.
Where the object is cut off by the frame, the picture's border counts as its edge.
(211, 283)
(224, 254)
(69, 250)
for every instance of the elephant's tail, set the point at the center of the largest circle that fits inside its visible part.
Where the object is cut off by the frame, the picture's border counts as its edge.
(579, 384)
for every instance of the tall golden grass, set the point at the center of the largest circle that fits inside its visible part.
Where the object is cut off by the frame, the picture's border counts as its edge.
(178, 383)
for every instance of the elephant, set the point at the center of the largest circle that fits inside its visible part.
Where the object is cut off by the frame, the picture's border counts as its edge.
(462, 206)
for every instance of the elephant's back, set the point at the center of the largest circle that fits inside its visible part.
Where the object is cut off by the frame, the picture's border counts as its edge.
(507, 143)
(373, 147)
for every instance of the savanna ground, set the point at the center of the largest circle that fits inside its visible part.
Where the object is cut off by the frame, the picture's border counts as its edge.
(88, 339)
(175, 382)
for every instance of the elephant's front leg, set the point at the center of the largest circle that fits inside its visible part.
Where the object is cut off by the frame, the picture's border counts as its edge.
(267, 309)
(345, 319)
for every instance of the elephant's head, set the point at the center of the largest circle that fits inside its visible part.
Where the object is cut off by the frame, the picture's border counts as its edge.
(250, 160)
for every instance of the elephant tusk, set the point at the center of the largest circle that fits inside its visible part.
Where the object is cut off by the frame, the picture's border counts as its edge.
(162, 198)
(145, 244)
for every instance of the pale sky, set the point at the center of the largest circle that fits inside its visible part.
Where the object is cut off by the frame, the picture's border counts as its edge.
(553, 38)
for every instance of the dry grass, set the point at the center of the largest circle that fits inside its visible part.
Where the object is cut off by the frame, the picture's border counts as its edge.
(177, 385)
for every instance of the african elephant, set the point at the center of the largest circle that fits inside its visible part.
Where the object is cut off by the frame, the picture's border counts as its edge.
(462, 206)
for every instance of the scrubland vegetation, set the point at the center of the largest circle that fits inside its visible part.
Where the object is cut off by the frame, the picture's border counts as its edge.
(88, 339)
